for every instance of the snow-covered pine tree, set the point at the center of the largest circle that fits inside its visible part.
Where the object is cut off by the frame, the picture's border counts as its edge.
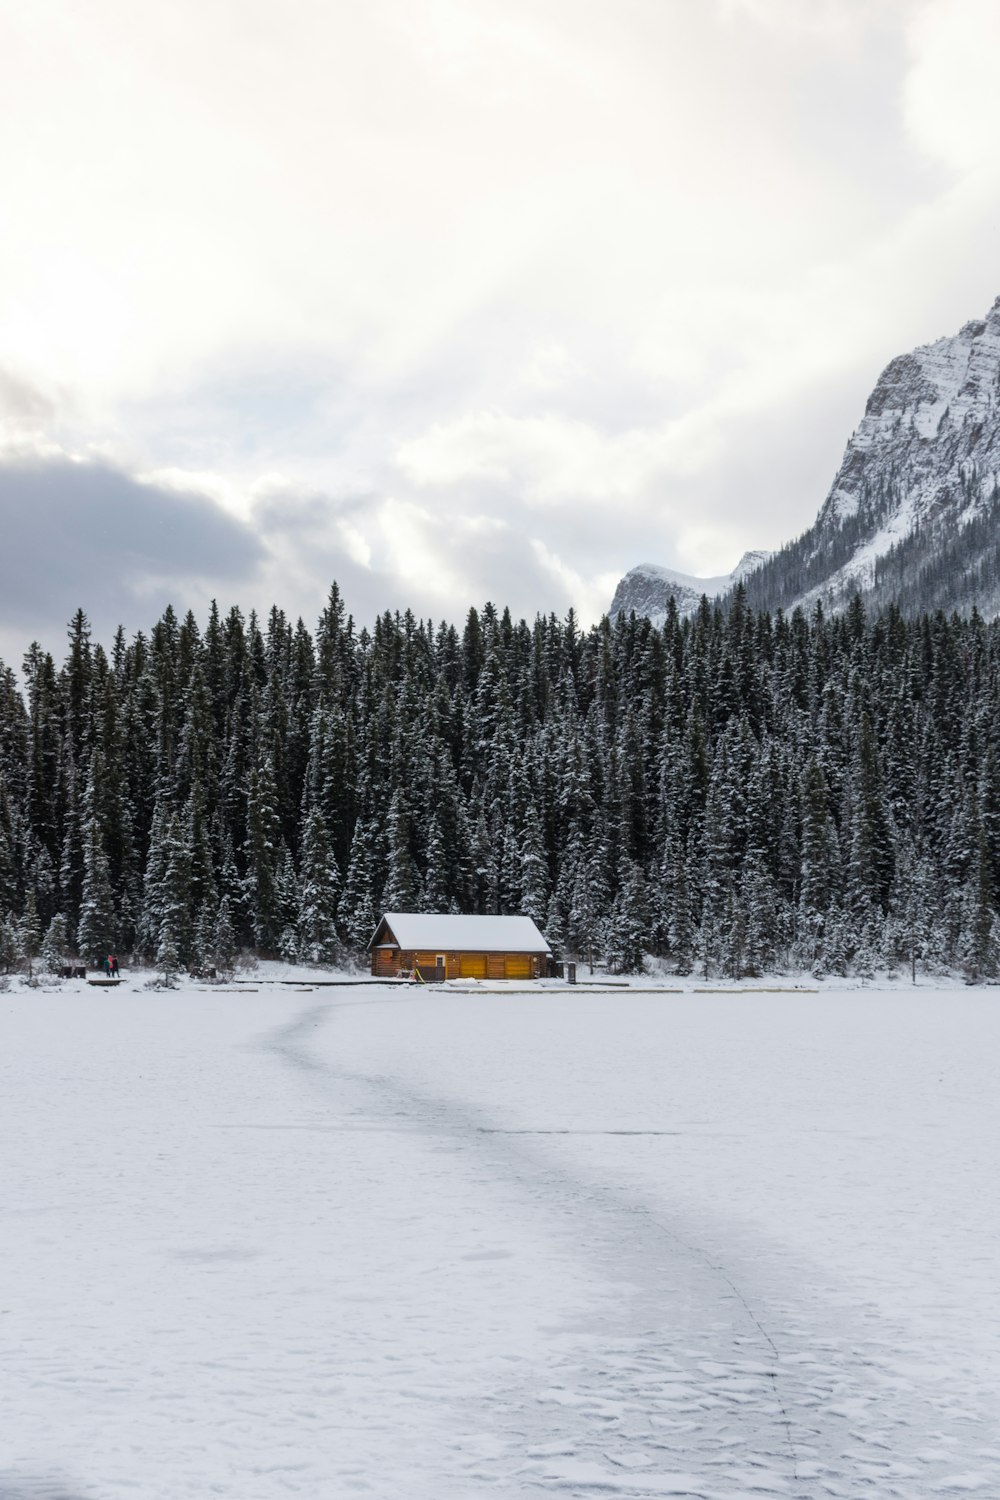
(40, 876)
(175, 935)
(870, 857)
(71, 860)
(198, 840)
(356, 910)
(233, 891)
(401, 884)
(55, 944)
(757, 917)
(534, 874)
(588, 900)
(167, 958)
(320, 893)
(554, 927)
(818, 864)
(29, 935)
(718, 872)
(681, 932)
(262, 856)
(224, 949)
(203, 942)
(8, 865)
(96, 930)
(8, 943)
(148, 927)
(627, 927)
(287, 888)
(978, 952)
(437, 891)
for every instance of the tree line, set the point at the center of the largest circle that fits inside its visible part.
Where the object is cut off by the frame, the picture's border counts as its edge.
(734, 792)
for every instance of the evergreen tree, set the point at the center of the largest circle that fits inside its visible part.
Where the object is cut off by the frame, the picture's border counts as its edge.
(175, 934)
(818, 864)
(224, 949)
(534, 875)
(978, 950)
(96, 931)
(203, 944)
(167, 958)
(8, 944)
(437, 888)
(29, 935)
(681, 932)
(320, 893)
(8, 859)
(629, 921)
(400, 890)
(356, 909)
(148, 934)
(262, 855)
(55, 944)
(588, 914)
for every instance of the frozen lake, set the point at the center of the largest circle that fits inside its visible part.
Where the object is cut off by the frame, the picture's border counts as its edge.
(422, 1246)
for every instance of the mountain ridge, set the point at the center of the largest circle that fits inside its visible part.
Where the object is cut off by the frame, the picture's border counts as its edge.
(648, 588)
(913, 514)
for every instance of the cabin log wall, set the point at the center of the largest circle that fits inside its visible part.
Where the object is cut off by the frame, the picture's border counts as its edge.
(388, 963)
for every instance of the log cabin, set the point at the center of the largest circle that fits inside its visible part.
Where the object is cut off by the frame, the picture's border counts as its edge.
(449, 946)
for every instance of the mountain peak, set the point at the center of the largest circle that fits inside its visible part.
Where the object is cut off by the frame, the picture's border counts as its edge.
(915, 501)
(913, 513)
(648, 588)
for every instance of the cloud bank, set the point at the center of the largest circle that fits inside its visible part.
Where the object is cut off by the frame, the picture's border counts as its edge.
(88, 535)
(456, 299)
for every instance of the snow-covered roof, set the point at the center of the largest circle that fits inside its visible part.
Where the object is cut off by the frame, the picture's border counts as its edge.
(449, 932)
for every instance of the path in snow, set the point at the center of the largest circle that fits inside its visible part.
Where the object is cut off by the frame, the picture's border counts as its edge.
(448, 1247)
(696, 1369)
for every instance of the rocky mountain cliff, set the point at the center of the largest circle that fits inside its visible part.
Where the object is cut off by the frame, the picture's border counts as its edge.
(647, 589)
(913, 514)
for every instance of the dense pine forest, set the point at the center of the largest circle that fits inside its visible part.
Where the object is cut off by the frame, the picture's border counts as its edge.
(732, 793)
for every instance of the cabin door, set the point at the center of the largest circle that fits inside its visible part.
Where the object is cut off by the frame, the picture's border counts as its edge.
(518, 966)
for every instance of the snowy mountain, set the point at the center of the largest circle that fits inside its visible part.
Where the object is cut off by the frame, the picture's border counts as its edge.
(647, 589)
(913, 514)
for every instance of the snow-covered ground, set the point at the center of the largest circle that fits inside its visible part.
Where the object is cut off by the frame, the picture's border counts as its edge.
(423, 1245)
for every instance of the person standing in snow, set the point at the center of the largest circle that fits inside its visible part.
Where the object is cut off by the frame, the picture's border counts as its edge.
(114, 967)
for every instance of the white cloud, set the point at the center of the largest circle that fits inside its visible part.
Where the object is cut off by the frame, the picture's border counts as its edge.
(590, 595)
(551, 460)
(574, 285)
(951, 103)
(225, 491)
(832, 20)
(550, 367)
(410, 542)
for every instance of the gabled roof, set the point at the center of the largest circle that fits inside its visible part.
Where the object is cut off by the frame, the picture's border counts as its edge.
(448, 932)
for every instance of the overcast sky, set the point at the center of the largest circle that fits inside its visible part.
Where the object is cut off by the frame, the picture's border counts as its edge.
(460, 299)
